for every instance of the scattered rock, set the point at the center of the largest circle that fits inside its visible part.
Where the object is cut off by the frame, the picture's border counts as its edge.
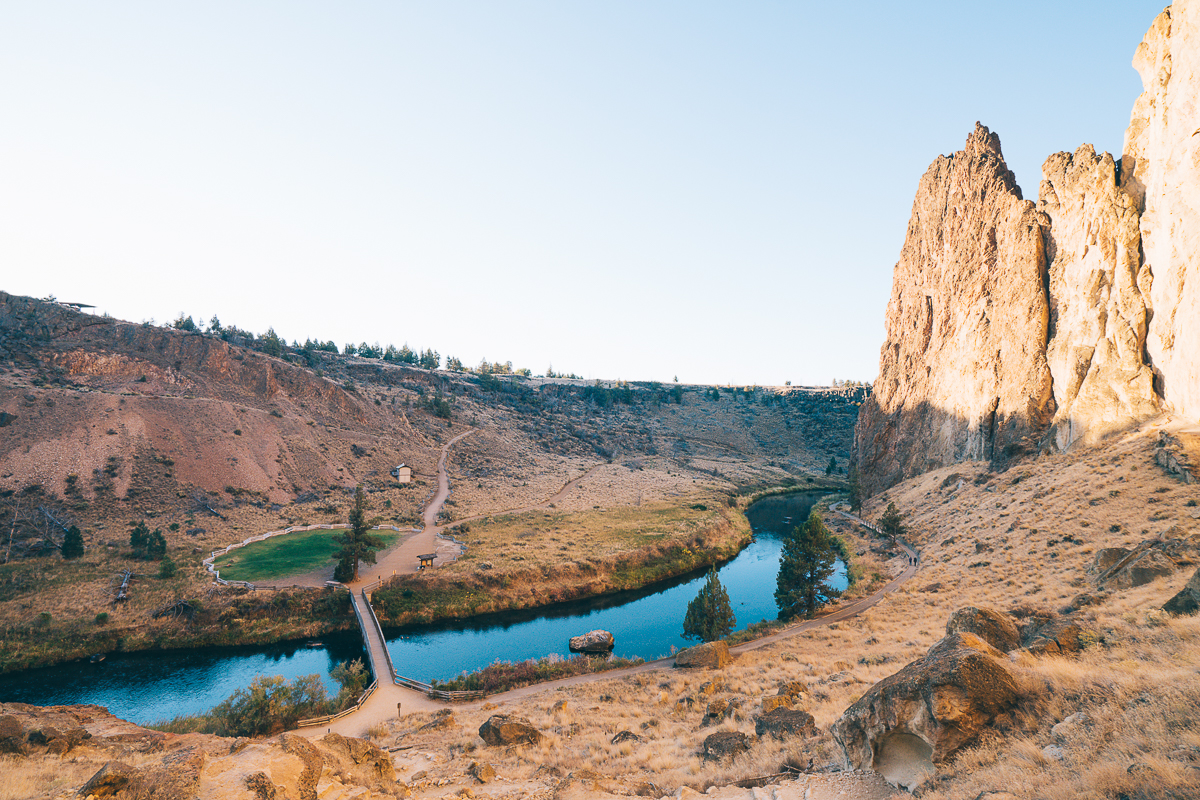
(710, 655)
(784, 722)
(112, 778)
(12, 736)
(559, 707)
(769, 704)
(927, 711)
(1069, 725)
(592, 642)
(994, 627)
(262, 786)
(442, 720)
(1053, 752)
(503, 729)
(1187, 601)
(484, 773)
(718, 711)
(625, 736)
(725, 744)
(1058, 635)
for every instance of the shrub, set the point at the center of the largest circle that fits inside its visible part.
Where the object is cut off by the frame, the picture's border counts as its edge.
(167, 569)
(44, 619)
(72, 546)
(102, 618)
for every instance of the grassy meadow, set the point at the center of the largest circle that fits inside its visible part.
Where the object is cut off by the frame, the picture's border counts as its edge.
(281, 556)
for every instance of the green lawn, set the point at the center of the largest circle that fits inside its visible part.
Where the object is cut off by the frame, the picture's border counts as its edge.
(281, 556)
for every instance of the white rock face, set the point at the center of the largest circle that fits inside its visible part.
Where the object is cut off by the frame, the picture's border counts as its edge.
(1161, 171)
(1097, 313)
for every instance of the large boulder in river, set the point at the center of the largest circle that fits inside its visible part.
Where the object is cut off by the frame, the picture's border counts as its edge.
(1187, 601)
(927, 711)
(994, 627)
(502, 729)
(592, 642)
(710, 655)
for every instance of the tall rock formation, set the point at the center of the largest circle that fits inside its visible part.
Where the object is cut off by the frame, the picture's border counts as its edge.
(1097, 311)
(1161, 172)
(963, 373)
(1014, 328)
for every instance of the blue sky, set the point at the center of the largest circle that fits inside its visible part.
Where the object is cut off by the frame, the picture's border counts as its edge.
(638, 190)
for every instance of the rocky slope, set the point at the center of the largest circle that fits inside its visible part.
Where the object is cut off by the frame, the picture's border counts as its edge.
(1016, 328)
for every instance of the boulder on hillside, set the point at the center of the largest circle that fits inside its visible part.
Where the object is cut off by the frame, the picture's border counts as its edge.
(1123, 569)
(994, 627)
(502, 729)
(592, 642)
(724, 744)
(1058, 636)
(710, 655)
(924, 713)
(110, 779)
(784, 722)
(1187, 601)
(772, 702)
(12, 736)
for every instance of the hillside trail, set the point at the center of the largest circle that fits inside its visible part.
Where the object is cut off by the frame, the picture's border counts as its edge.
(389, 700)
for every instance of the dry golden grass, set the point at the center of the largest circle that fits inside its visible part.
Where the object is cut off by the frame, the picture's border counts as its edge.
(24, 778)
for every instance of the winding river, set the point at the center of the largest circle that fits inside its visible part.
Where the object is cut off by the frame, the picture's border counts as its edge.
(156, 685)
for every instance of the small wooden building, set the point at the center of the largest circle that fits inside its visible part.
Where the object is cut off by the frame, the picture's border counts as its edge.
(426, 560)
(402, 473)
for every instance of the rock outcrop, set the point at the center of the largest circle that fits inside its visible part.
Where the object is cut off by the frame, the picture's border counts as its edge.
(927, 711)
(963, 373)
(1014, 328)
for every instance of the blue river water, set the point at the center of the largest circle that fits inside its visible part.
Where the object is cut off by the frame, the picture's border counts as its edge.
(157, 685)
(647, 623)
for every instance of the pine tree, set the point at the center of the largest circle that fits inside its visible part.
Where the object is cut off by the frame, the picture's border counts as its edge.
(709, 616)
(832, 468)
(358, 543)
(72, 546)
(806, 563)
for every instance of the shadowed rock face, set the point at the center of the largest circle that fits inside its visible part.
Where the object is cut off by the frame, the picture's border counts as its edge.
(963, 373)
(945, 700)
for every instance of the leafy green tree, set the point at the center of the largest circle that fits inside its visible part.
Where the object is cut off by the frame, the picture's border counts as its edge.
(72, 546)
(454, 364)
(832, 467)
(709, 616)
(407, 356)
(183, 323)
(349, 350)
(807, 561)
(855, 490)
(890, 523)
(358, 543)
(430, 359)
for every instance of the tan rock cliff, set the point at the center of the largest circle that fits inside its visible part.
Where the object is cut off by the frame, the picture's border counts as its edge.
(1014, 329)
(1161, 172)
(963, 373)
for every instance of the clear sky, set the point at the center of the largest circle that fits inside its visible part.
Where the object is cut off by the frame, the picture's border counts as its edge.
(639, 190)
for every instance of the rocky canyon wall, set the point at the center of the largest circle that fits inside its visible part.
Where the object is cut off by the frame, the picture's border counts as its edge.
(1015, 327)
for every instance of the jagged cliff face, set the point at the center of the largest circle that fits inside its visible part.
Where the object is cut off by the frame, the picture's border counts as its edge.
(963, 374)
(1161, 172)
(1016, 328)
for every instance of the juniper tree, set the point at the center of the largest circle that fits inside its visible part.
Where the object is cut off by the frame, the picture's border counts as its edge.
(358, 543)
(890, 523)
(855, 489)
(72, 546)
(807, 561)
(709, 616)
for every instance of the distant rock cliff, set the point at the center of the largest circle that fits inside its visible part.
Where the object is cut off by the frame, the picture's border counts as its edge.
(1014, 327)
